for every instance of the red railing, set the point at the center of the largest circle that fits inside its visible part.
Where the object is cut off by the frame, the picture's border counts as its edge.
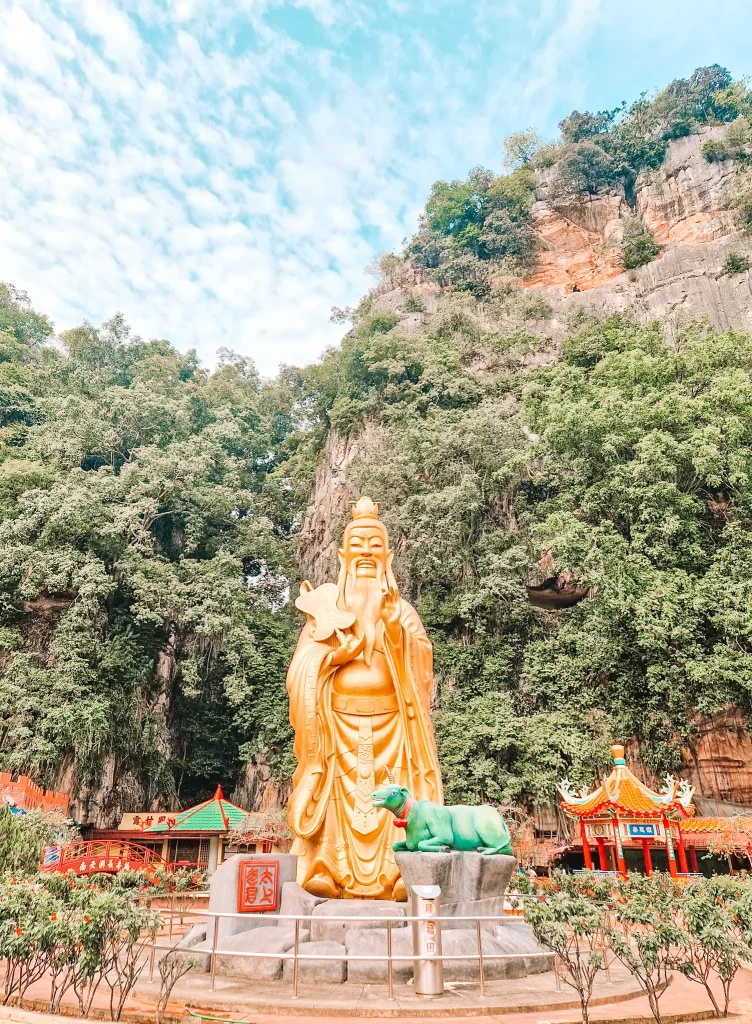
(110, 856)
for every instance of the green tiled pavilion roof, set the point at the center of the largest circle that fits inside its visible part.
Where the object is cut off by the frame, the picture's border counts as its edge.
(214, 815)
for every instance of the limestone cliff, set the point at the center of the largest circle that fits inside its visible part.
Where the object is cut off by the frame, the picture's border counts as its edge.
(685, 203)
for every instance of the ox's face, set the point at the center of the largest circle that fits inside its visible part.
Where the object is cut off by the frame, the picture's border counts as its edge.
(392, 797)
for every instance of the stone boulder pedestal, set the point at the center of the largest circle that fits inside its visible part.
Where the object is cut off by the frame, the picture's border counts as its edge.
(472, 884)
(223, 893)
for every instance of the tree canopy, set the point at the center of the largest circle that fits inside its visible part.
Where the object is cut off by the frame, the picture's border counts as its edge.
(143, 560)
(150, 510)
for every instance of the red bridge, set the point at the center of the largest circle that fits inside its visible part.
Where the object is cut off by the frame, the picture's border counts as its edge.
(94, 857)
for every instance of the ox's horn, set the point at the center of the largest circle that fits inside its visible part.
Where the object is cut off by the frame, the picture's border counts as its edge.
(389, 776)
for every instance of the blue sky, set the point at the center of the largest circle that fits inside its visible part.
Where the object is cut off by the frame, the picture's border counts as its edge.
(222, 172)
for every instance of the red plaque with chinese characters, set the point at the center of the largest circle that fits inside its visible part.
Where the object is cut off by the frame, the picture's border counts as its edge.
(258, 884)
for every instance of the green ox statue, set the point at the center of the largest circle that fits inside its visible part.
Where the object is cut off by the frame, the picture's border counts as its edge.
(434, 828)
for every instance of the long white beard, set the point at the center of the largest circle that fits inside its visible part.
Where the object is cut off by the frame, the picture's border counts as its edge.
(363, 598)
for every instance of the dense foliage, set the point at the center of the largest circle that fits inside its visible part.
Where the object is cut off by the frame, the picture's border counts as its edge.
(143, 560)
(625, 464)
(149, 509)
(615, 145)
(24, 836)
(474, 230)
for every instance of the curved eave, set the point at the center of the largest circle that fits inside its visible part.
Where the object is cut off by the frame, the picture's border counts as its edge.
(672, 811)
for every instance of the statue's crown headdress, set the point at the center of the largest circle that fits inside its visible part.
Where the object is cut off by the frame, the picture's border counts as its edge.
(365, 512)
(364, 508)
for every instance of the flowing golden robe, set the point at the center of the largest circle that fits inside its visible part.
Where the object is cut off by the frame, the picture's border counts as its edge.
(343, 748)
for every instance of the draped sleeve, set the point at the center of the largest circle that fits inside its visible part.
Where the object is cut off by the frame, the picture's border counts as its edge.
(309, 688)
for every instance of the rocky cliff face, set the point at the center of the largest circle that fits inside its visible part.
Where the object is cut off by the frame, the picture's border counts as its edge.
(685, 204)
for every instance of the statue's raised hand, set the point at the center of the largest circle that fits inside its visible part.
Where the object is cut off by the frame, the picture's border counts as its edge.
(390, 613)
(350, 647)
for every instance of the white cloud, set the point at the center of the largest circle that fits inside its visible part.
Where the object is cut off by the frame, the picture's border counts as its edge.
(198, 168)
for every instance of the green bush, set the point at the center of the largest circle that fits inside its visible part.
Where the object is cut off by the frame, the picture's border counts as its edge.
(742, 202)
(546, 155)
(414, 304)
(736, 263)
(715, 150)
(536, 307)
(380, 323)
(23, 837)
(639, 245)
(583, 169)
(738, 138)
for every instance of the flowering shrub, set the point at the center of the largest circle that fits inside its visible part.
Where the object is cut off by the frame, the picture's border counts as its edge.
(646, 934)
(570, 917)
(653, 925)
(77, 930)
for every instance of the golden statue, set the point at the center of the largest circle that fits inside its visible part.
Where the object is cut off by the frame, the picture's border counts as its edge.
(360, 687)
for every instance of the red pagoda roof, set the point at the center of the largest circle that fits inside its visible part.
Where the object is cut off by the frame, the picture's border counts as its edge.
(623, 793)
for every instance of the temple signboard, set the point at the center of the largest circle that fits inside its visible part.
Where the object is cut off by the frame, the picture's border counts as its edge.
(258, 886)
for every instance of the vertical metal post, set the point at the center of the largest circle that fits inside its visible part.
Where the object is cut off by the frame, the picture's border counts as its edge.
(556, 973)
(172, 912)
(295, 961)
(214, 954)
(481, 969)
(428, 965)
(151, 959)
(389, 970)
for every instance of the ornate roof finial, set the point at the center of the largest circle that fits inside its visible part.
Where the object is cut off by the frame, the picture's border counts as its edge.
(364, 508)
(617, 752)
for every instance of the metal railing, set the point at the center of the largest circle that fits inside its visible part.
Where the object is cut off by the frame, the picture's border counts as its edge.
(213, 919)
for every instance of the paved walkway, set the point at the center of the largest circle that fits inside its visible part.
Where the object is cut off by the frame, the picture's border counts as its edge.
(683, 1001)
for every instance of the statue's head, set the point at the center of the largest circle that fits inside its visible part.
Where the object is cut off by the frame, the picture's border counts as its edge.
(365, 552)
(393, 797)
(365, 575)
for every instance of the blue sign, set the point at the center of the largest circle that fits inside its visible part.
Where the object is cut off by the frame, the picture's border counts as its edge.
(641, 831)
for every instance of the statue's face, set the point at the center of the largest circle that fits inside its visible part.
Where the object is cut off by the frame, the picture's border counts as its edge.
(365, 552)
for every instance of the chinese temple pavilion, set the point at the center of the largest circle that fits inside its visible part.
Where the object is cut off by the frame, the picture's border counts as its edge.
(207, 823)
(623, 817)
(192, 838)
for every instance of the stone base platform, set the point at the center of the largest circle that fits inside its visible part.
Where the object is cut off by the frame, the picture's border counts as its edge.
(233, 998)
(472, 885)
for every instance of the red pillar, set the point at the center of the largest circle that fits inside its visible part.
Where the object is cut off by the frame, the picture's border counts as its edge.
(693, 859)
(602, 853)
(585, 847)
(682, 852)
(646, 855)
(621, 863)
(670, 850)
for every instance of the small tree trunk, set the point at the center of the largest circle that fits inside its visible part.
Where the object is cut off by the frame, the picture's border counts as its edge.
(712, 999)
(654, 1007)
(726, 982)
